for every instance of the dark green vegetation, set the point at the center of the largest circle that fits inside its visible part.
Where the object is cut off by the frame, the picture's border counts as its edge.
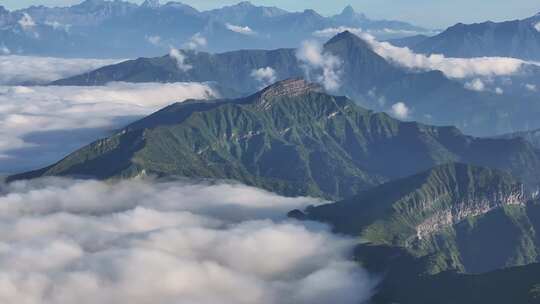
(404, 283)
(364, 76)
(289, 138)
(232, 69)
(452, 217)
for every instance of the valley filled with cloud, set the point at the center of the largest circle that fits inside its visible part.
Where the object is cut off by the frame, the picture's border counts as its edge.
(40, 124)
(143, 241)
(156, 153)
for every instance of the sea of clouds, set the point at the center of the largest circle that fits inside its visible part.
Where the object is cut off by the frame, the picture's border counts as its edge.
(41, 124)
(142, 241)
(17, 70)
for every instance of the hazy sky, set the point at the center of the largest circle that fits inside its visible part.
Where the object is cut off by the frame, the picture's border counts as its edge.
(430, 13)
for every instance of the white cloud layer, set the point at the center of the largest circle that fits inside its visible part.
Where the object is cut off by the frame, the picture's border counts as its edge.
(139, 242)
(93, 111)
(320, 66)
(37, 70)
(244, 30)
(451, 67)
(265, 76)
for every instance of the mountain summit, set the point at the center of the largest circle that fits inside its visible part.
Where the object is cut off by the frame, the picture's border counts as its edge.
(290, 88)
(290, 138)
(151, 4)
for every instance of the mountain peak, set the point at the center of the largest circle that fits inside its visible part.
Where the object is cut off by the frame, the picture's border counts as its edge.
(348, 11)
(347, 37)
(290, 87)
(151, 4)
(92, 2)
(244, 4)
(349, 14)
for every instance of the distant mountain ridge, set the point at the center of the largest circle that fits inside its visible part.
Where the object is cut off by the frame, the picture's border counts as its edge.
(364, 76)
(532, 136)
(289, 138)
(101, 28)
(516, 38)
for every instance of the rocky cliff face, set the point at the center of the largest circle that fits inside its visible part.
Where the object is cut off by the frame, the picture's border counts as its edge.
(469, 208)
(290, 88)
(453, 217)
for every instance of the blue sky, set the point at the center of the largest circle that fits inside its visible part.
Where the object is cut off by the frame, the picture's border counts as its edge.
(430, 13)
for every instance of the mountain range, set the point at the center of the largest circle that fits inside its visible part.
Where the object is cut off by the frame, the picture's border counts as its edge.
(429, 97)
(101, 28)
(516, 38)
(290, 138)
(472, 209)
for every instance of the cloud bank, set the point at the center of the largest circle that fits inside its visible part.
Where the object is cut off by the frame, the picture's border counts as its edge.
(15, 70)
(39, 125)
(140, 242)
(320, 66)
(451, 67)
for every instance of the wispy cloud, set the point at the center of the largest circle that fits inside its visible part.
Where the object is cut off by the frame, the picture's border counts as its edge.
(530, 87)
(320, 66)
(26, 22)
(476, 85)
(58, 26)
(4, 50)
(146, 242)
(154, 40)
(245, 30)
(196, 41)
(537, 26)
(180, 58)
